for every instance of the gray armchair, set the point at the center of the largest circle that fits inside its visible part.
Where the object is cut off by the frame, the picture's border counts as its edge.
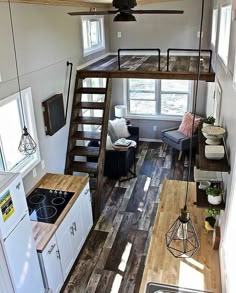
(177, 140)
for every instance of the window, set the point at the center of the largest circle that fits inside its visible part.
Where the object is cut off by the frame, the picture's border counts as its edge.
(214, 26)
(151, 97)
(93, 34)
(225, 22)
(93, 82)
(11, 125)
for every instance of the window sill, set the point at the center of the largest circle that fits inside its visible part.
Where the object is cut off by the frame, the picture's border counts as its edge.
(155, 118)
(93, 51)
(26, 167)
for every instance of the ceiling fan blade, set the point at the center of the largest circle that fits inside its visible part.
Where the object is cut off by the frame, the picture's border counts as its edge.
(93, 12)
(157, 11)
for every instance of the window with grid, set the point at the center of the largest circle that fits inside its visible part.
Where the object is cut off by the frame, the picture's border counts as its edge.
(93, 34)
(11, 125)
(149, 97)
(224, 35)
(93, 82)
(214, 26)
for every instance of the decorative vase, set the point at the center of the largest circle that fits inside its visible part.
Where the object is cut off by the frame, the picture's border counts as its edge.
(215, 200)
(207, 124)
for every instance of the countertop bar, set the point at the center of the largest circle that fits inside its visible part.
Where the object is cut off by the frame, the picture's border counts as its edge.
(42, 231)
(202, 271)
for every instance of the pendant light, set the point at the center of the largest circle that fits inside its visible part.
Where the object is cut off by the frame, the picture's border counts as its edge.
(181, 239)
(27, 145)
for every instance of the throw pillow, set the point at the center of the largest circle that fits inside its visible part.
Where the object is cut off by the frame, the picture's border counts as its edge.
(109, 145)
(186, 124)
(120, 127)
(111, 132)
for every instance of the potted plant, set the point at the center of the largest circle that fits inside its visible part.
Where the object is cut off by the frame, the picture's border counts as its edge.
(214, 194)
(210, 120)
(210, 220)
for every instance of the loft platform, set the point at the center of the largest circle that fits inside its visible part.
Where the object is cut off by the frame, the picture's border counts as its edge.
(153, 66)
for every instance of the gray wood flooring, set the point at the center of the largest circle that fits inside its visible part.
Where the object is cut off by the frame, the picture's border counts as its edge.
(113, 257)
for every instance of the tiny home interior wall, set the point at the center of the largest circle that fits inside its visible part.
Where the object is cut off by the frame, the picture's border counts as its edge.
(46, 37)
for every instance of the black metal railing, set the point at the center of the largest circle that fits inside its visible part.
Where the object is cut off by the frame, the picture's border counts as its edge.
(157, 49)
(187, 50)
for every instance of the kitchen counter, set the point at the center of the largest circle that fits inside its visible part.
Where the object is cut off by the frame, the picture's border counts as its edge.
(43, 232)
(202, 271)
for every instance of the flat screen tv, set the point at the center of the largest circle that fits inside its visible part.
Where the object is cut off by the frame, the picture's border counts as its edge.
(53, 112)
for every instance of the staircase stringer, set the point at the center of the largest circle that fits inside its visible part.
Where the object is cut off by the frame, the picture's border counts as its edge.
(73, 127)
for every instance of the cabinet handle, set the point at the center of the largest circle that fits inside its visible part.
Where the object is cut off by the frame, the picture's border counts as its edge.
(72, 230)
(58, 254)
(18, 185)
(87, 191)
(51, 249)
(74, 226)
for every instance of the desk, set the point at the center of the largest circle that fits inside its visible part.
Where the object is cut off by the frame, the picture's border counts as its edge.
(200, 272)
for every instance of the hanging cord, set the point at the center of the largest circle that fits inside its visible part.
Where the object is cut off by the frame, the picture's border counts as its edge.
(17, 70)
(195, 104)
(68, 93)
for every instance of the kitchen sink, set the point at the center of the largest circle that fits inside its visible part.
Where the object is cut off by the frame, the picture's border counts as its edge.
(163, 288)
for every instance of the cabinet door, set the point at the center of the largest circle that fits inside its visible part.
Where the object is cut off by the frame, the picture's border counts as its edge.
(86, 210)
(64, 235)
(78, 237)
(51, 266)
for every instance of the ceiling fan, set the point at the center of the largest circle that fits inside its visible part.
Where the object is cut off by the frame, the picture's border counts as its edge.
(125, 12)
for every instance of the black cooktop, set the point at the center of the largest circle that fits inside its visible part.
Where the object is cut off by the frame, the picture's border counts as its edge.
(46, 205)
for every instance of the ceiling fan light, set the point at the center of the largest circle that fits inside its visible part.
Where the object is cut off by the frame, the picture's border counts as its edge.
(124, 17)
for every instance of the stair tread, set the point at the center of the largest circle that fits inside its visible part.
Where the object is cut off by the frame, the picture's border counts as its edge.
(92, 90)
(92, 183)
(87, 135)
(88, 120)
(87, 167)
(89, 151)
(90, 105)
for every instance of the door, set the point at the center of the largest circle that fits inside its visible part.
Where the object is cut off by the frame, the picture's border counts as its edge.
(5, 280)
(50, 259)
(13, 205)
(63, 235)
(22, 259)
(86, 210)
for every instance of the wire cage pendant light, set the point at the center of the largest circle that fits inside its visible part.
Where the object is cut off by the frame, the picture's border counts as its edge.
(27, 145)
(181, 238)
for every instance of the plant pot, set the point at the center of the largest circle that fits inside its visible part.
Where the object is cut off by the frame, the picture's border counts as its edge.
(215, 200)
(207, 124)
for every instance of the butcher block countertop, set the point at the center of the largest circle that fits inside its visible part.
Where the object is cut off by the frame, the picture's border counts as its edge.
(202, 270)
(42, 231)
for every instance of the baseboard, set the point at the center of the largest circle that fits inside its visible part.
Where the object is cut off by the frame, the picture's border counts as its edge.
(150, 139)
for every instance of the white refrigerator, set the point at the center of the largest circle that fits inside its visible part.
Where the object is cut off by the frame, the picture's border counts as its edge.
(16, 237)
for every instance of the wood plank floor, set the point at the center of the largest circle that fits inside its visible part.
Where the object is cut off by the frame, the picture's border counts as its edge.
(113, 257)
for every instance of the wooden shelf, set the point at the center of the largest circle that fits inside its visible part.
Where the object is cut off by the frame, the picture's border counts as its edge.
(210, 165)
(202, 202)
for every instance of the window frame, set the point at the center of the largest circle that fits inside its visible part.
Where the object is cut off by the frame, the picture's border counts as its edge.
(101, 45)
(29, 162)
(158, 115)
(224, 59)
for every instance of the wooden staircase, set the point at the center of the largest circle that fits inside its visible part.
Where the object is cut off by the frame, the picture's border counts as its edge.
(77, 150)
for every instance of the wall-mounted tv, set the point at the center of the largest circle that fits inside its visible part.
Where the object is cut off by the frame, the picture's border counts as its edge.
(53, 113)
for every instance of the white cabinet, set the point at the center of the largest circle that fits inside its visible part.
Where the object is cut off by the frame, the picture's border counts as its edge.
(67, 242)
(51, 266)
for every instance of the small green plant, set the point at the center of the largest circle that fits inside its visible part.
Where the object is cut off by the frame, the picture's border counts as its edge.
(212, 212)
(209, 120)
(213, 190)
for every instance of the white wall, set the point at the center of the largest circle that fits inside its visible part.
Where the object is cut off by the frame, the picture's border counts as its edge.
(228, 121)
(46, 37)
